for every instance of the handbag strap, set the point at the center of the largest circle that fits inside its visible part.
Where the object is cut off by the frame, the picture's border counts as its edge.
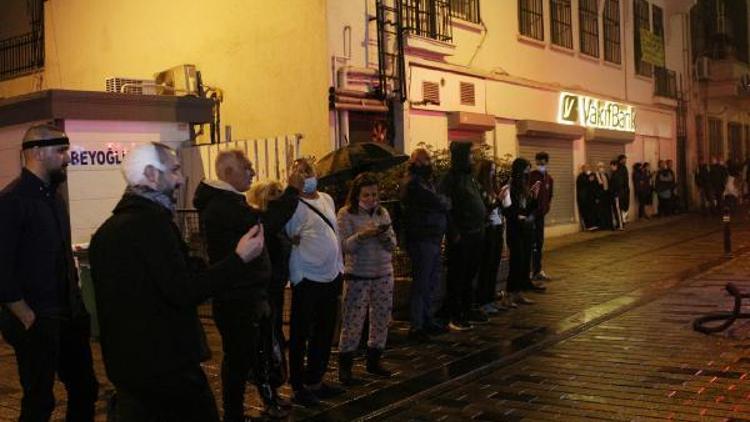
(320, 214)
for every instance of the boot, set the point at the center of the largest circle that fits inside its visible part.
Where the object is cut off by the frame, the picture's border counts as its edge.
(271, 406)
(346, 361)
(373, 363)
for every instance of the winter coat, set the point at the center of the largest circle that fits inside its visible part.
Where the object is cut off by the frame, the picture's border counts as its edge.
(425, 210)
(467, 211)
(278, 212)
(147, 293)
(546, 190)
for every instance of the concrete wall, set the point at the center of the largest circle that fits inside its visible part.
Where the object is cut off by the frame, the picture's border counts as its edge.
(268, 57)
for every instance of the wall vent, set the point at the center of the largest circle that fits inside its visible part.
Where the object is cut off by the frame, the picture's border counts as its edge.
(468, 95)
(431, 92)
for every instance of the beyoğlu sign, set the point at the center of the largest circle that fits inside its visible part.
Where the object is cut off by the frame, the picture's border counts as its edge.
(97, 156)
(595, 113)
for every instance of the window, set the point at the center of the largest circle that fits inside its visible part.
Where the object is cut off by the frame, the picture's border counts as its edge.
(640, 21)
(715, 138)
(561, 23)
(612, 31)
(22, 45)
(467, 10)
(589, 22)
(531, 19)
(428, 18)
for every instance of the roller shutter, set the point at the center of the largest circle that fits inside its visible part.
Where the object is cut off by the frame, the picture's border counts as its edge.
(560, 167)
(602, 152)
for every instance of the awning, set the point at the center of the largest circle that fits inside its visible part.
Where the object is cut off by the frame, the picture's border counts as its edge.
(607, 135)
(466, 121)
(549, 129)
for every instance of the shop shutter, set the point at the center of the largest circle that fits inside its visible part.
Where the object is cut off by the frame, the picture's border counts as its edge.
(561, 169)
(602, 151)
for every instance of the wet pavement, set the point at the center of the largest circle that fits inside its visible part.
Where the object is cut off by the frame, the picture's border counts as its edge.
(599, 339)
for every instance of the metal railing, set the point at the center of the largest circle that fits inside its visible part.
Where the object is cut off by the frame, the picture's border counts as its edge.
(467, 10)
(428, 18)
(21, 54)
(665, 83)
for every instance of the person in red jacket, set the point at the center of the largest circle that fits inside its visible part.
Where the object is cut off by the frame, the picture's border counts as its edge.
(540, 174)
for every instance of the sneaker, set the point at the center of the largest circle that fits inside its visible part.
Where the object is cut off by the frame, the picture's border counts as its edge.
(433, 329)
(305, 398)
(476, 316)
(418, 335)
(490, 309)
(542, 276)
(326, 391)
(457, 325)
(508, 302)
(523, 300)
(538, 287)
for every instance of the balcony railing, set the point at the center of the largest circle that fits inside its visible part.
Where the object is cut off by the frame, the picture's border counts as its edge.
(428, 18)
(467, 10)
(665, 83)
(21, 54)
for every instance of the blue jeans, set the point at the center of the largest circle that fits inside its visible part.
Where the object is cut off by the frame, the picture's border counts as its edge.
(426, 264)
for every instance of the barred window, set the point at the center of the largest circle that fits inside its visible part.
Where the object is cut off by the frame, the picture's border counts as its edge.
(641, 19)
(715, 138)
(531, 19)
(467, 10)
(612, 31)
(561, 23)
(589, 22)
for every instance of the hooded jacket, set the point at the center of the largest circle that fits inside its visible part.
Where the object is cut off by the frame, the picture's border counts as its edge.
(147, 293)
(225, 217)
(467, 214)
(425, 210)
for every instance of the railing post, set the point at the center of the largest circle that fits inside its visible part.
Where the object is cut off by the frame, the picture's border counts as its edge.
(727, 220)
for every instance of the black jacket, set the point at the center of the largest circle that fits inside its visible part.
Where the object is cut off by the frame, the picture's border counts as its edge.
(36, 259)
(279, 211)
(225, 217)
(467, 212)
(147, 294)
(425, 211)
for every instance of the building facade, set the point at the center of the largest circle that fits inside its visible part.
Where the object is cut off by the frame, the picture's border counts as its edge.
(568, 77)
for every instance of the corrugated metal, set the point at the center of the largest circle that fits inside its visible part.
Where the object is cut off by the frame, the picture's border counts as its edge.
(561, 169)
(602, 151)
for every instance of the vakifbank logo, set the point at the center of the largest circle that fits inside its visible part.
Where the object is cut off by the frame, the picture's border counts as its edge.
(569, 108)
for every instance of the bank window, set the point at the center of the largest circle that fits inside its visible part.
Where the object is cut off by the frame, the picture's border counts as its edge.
(641, 20)
(715, 138)
(589, 24)
(561, 23)
(531, 19)
(612, 31)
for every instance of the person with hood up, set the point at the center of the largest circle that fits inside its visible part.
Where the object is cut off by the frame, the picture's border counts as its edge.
(585, 198)
(465, 235)
(242, 315)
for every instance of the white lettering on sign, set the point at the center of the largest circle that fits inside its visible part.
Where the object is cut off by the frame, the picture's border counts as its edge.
(108, 155)
(595, 113)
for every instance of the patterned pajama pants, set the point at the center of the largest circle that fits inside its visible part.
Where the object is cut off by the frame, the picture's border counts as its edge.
(360, 297)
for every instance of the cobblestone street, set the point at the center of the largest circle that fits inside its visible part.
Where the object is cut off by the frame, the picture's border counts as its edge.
(611, 339)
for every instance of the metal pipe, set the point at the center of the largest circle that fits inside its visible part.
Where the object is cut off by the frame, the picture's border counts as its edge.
(727, 220)
(357, 107)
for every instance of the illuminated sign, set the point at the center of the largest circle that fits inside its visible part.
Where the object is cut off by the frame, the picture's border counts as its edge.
(595, 113)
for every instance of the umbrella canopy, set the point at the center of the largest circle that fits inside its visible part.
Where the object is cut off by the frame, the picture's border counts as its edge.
(347, 162)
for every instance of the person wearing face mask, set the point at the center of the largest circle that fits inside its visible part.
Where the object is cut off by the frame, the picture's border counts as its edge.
(315, 271)
(147, 292)
(544, 198)
(425, 219)
(603, 198)
(368, 241)
(41, 311)
(242, 315)
(585, 198)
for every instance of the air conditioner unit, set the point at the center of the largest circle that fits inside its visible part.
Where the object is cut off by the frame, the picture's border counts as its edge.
(130, 86)
(179, 80)
(702, 68)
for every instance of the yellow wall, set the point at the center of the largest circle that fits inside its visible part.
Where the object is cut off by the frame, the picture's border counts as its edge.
(269, 57)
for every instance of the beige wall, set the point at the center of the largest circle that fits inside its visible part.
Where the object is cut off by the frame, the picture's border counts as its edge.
(269, 57)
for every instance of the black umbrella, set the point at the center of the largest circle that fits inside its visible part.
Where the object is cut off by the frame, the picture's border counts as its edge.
(347, 162)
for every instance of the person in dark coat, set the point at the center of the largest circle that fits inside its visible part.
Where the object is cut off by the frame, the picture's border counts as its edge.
(617, 183)
(719, 175)
(243, 315)
(465, 234)
(42, 315)
(603, 198)
(425, 220)
(703, 183)
(585, 189)
(664, 185)
(642, 185)
(147, 291)
(623, 186)
(519, 217)
(544, 198)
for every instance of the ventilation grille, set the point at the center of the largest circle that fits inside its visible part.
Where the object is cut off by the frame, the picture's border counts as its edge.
(467, 94)
(130, 86)
(430, 92)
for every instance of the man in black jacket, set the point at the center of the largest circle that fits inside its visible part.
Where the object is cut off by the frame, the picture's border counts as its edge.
(147, 296)
(42, 316)
(425, 219)
(242, 315)
(465, 236)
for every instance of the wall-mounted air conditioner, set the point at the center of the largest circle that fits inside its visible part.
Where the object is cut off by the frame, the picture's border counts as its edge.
(121, 85)
(702, 68)
(179, 80)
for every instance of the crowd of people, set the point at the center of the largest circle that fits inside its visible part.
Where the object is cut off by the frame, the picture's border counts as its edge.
(260, 238)
(723, 185)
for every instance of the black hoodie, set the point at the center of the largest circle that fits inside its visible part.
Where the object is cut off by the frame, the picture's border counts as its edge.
(225, 217)
(467, 214)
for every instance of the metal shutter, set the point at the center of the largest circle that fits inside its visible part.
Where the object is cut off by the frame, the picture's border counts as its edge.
(602, 151)
(561, 169)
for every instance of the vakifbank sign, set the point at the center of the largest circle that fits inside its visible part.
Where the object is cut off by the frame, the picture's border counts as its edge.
(595, 113)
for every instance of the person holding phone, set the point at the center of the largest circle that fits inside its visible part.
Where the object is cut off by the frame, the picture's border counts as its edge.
(368, 241)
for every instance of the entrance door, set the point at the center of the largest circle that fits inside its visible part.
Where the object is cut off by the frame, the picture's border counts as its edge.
(735, 141)
(560, 167)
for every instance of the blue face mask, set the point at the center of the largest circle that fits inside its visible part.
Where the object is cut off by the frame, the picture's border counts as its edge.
(311, 185)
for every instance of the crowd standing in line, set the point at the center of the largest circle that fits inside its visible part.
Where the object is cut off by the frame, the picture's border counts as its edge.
(259, 238)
